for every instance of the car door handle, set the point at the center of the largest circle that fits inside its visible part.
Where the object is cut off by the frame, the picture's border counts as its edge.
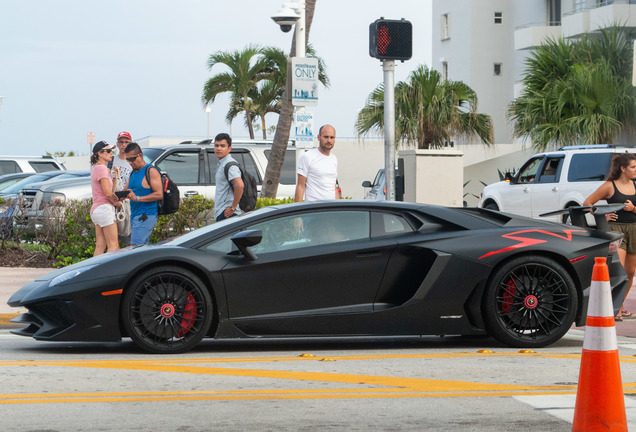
(555, 189)
(190, 194)
(366, 254)
(526, 189)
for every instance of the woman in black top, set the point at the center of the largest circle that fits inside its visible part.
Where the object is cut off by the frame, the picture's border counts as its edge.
(620, 187)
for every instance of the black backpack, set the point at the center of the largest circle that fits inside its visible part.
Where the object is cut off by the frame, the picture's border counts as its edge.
(250, 192)
(170, 202)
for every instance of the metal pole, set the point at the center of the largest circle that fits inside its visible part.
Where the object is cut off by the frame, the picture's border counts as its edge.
(388, 66)
(299, 34)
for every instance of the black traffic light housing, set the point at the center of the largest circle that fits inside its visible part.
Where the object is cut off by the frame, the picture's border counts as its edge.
(391, 39)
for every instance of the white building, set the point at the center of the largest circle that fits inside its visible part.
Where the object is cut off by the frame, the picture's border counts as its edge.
(484, 44)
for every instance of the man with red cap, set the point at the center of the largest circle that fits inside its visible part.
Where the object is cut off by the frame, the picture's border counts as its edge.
(122, 169)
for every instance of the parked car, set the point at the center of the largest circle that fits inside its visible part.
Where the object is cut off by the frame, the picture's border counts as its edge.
(17, 164)
(7, 180)
(331, 269)
(192, 166)
(377, 189)
(551, 181)
(17, 199)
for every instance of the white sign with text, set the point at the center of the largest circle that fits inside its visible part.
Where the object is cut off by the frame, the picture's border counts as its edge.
(304, 129)
(304, 90)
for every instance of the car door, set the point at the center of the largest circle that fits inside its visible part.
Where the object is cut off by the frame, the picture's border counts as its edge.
(517, 196)
(546, 191)
(310, 267)
(187, 169)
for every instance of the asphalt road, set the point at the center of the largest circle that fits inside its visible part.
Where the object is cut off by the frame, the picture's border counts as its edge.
(442, 384)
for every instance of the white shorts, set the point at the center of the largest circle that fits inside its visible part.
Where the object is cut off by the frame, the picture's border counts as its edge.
(103, 215)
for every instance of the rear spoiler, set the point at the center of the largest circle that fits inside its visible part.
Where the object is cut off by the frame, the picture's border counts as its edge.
(577, 214)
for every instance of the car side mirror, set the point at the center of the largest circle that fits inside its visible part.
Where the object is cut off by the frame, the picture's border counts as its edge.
(509, 177)
(244, 239)
(366, 183)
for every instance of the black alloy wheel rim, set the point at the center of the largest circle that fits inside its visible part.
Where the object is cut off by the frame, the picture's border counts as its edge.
(532, 301)
(168, 309)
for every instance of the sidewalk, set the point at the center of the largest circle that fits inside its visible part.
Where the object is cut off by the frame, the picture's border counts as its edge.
(13, 278)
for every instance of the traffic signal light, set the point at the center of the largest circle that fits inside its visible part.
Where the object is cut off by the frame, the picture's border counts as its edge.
(391, 39)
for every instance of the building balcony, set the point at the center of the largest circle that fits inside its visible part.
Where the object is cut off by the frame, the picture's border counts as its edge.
(623, 13)
(575, 24)
(533, 36)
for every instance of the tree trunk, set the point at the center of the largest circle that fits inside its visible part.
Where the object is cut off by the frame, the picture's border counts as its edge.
(263, 126)
(250, 126)
(281, 136)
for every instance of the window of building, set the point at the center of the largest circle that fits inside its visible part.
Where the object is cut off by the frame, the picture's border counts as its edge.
(444, 27)
(497, 69)
(579, 5)
(445, 71)
(498, 17)
(554, 12)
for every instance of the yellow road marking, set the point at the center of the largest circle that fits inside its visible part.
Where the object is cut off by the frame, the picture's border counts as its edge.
(382, 386)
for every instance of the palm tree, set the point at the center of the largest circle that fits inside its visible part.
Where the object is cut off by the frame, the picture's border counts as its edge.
(428, 111)
(577, 92)
(247, 68)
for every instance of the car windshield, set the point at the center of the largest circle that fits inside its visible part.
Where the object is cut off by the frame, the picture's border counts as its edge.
(150, 154)
(16, 188)
(218, 225)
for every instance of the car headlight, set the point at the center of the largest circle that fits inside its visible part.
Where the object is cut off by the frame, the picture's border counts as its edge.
(52, 199)
(70, 275)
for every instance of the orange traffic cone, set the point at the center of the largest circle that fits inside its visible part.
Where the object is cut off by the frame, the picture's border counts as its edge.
(600, 403)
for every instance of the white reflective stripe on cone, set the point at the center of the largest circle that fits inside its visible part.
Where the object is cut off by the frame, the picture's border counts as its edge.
(600, 339)
(600, 305)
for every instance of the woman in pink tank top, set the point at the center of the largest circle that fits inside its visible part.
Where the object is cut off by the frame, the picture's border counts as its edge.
(104, 200)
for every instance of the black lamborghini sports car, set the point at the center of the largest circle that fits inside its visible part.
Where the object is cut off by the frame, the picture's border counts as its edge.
(329, 269)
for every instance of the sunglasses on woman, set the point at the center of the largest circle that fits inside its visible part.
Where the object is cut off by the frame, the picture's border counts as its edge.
(105, 151)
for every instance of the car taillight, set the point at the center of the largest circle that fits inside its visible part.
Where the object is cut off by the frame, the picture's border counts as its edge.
(613, 246)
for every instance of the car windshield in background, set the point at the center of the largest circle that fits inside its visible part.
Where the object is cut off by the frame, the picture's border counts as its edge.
(589, 167)
(151, 153)
(44, 166)
(16, 188)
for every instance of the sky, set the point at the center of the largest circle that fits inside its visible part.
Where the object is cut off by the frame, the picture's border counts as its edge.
(69, 67)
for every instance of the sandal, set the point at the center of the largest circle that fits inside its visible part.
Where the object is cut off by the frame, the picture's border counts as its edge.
(618, 318)
(625, 314)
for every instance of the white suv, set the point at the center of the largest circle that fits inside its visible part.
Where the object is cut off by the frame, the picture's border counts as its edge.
(552, 181)
(17, 164)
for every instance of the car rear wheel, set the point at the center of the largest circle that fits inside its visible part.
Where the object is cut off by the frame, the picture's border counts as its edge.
(530, 302)
(167, 310)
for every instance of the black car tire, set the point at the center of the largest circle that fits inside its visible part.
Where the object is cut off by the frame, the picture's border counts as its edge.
(166, 310)
(491, 206)
(530, 302)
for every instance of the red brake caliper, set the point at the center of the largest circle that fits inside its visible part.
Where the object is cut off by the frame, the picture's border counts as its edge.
(508, 294)
(189, 314)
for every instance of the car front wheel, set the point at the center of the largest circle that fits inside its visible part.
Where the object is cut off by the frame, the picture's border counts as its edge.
(167, 310)
(530, 302)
